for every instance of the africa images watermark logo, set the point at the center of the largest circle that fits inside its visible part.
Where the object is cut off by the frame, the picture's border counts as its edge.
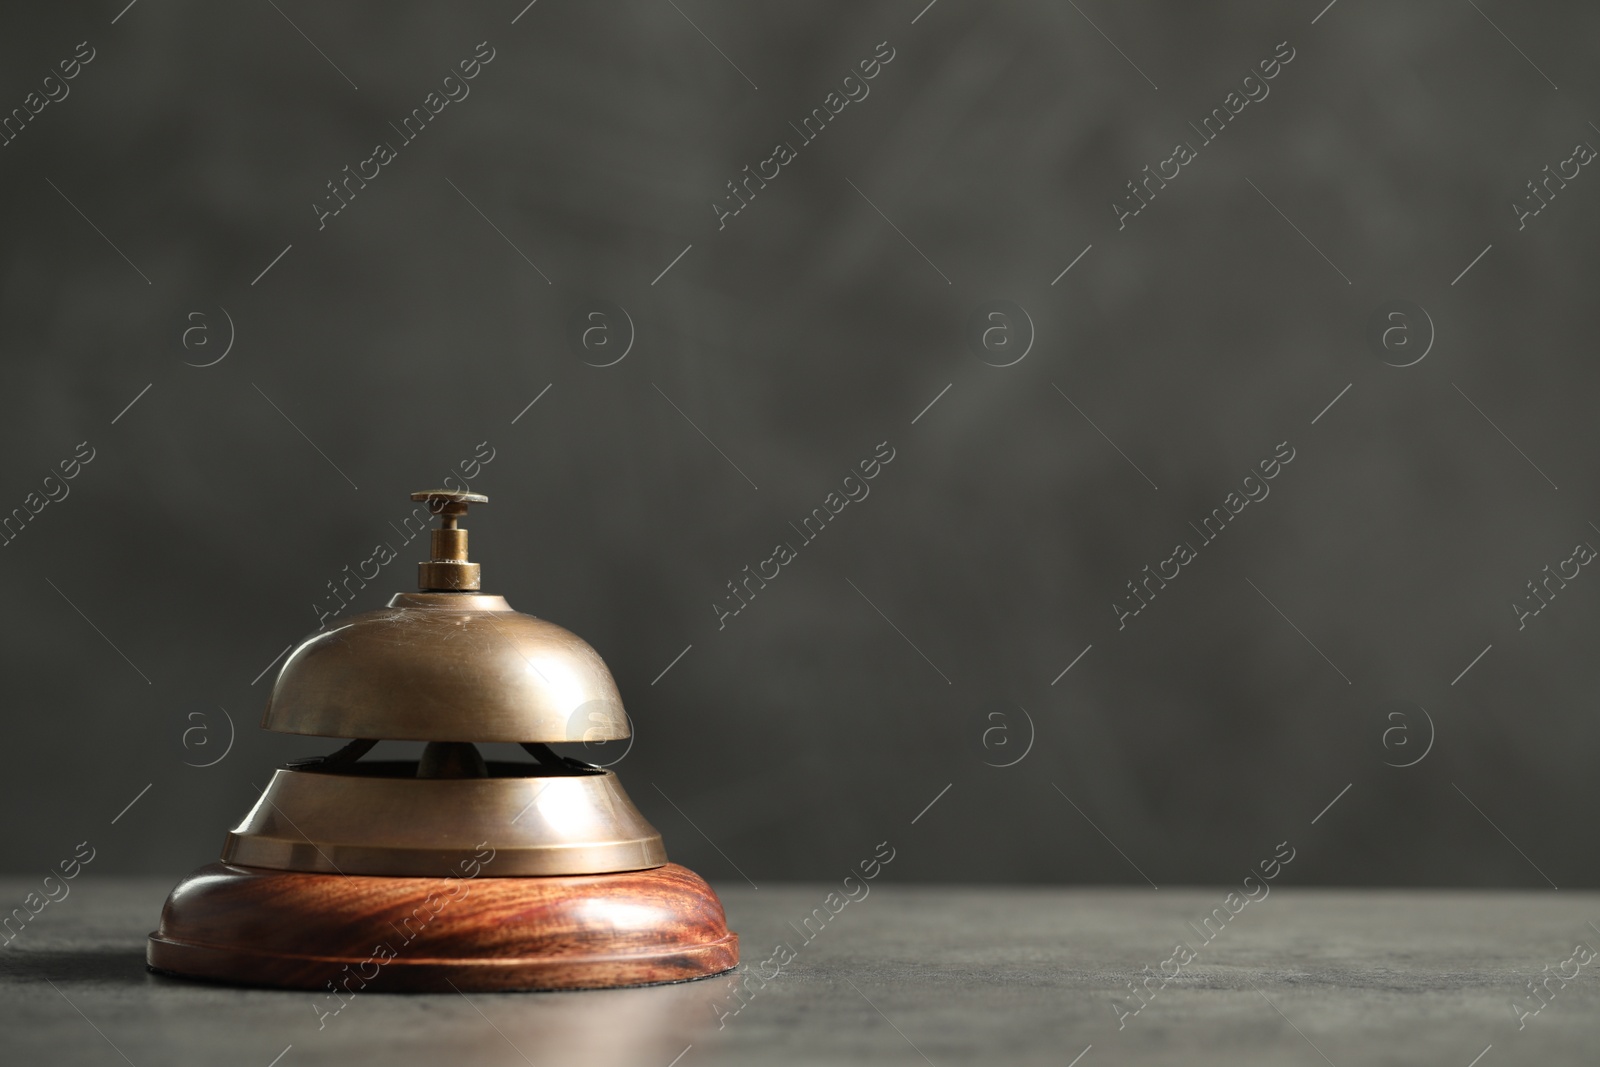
(1400, 332)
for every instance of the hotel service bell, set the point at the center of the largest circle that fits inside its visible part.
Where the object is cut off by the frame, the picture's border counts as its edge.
(451, 870)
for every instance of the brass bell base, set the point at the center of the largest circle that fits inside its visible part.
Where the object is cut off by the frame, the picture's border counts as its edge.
(341, 935)
(378, 817)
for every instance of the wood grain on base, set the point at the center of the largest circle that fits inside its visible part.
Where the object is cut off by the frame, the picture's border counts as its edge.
(359, 932)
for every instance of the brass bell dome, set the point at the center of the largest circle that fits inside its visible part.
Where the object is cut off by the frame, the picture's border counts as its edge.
(448, 663)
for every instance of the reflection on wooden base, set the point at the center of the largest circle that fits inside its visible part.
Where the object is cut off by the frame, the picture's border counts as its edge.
(345, 934)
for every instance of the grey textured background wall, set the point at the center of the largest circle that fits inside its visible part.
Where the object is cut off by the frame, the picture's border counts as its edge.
(165, 206)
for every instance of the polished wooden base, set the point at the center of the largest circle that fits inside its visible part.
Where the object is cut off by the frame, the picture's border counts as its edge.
(344, 934)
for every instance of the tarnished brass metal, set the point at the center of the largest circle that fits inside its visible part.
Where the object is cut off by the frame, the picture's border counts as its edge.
(449, 576)
(449, 545)
(447, 667)
(451, 759)
(448, 503)
(449, 570)
(387, 822)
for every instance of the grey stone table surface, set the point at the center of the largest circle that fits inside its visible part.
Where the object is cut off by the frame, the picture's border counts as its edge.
(907, 974)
